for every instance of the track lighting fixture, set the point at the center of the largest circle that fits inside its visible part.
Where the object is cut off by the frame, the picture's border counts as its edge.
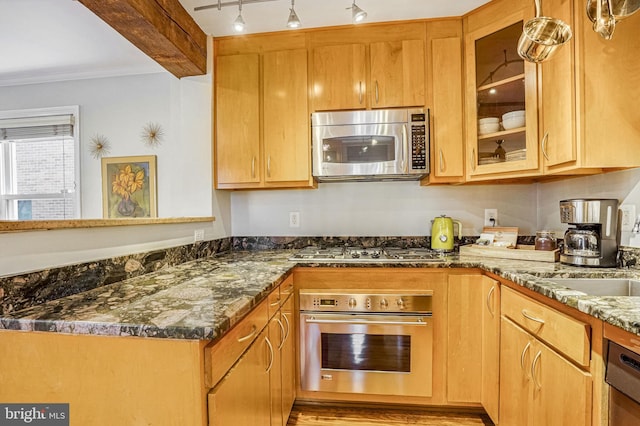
(357, 14)
(294, 21)
(238, 24)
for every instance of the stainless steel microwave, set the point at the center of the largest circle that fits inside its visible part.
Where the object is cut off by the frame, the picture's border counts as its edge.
(388, 144)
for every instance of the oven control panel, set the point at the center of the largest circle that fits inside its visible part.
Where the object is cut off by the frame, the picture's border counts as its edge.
(364, 302)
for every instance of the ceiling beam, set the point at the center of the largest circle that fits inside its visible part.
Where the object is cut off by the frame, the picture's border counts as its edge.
(162, 29)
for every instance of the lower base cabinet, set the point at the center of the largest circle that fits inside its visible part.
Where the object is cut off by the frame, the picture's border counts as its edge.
(537, 385)
(242, 397)
(259, 390)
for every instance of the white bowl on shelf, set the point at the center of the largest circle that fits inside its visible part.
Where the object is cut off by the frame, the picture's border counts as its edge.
(518, 113)
(488, 120)
(486, 128)
(513, 122)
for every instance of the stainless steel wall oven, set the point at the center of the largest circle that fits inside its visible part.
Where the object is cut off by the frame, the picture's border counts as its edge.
(370, 343)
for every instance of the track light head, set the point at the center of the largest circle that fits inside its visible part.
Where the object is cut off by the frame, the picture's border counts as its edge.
(238, 24)
(293, 21)
(357, 14)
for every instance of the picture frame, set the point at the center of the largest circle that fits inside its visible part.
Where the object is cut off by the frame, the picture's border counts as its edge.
(129, 187)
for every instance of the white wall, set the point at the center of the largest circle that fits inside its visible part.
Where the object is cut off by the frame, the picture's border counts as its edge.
(380, 209)
(118, 108)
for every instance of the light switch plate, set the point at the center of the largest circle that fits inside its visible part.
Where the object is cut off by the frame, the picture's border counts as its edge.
(628, 217)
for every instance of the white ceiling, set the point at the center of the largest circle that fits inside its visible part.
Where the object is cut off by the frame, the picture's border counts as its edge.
(54, 40)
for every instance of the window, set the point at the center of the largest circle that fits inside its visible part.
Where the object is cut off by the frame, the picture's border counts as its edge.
(39, 164)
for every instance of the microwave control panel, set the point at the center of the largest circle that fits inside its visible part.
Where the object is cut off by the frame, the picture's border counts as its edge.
(419, 142)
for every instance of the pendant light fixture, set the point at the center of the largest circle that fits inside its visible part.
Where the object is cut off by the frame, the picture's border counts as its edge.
(357, 14)
(238, 24)
(294, 21)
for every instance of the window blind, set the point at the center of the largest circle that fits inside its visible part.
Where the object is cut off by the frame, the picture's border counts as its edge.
(36, 127)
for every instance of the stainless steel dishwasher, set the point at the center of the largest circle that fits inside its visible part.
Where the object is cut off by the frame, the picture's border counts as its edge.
(623, 374)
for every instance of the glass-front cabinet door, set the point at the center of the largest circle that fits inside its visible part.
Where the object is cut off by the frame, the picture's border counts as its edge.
(501, 117)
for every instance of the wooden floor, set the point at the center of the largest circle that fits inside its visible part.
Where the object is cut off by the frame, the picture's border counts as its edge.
(319, 415)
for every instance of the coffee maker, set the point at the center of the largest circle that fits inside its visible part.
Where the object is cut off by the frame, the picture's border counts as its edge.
(592, 241)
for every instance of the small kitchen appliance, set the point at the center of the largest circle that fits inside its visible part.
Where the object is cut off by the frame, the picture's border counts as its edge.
(370, 145)
(442, 233)
(592, 241)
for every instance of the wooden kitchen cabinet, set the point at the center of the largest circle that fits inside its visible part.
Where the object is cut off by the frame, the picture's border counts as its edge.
(588, 112)
(237, 142)
(545, 365)
(242, 397)
(339, 77)
(498, 81)
(538, 385)
(445, 81)
(107, 380)
(282, 372)
(473, 342)
(490, 393)
(288, 358)
(396, 69)
(262, 121)
(464, 347)
(397, 74)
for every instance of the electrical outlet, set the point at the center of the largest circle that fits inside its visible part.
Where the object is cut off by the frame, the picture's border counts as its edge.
(198, 235)
(294, 219)
(490, 217)
(628, 217)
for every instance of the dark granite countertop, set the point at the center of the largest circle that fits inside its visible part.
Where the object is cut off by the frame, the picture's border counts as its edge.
(204, 298)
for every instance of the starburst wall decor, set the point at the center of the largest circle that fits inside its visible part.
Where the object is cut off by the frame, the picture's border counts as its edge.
(152, 134)
(100, 146)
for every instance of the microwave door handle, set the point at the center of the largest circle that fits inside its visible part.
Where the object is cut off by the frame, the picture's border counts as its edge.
(405, 147)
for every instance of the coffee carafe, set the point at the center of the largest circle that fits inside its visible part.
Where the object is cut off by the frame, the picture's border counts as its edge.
(592, 241)
(442, 233)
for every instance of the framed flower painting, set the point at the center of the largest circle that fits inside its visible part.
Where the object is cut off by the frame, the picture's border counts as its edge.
(129, 187)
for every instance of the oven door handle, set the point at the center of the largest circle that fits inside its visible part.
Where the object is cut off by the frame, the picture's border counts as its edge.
(314, 320)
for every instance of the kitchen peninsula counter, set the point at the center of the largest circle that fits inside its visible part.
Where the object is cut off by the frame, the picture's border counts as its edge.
(202, 299)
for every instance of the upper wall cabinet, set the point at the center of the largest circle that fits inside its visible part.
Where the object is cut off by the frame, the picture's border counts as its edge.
(502, 109)
(382, 74)
(445, 89)
(589, 114)
(262, 120)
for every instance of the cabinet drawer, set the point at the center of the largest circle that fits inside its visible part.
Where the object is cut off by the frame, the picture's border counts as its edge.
(221, 355)
(568, 335)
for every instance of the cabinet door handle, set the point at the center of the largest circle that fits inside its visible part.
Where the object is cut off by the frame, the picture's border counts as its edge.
(269, 166)
(489, 294)
(286, 319)
(533, 369)
(531, 317)
(253, 167)
(441, 161)
(544, 142)
(472, 158)
(248, 336)
(377, 93)
(276, 303)
(360, 92)
(524, 352)
(270, 346)
(282, 333)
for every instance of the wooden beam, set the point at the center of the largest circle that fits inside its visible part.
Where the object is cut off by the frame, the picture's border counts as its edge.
(160, 28)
